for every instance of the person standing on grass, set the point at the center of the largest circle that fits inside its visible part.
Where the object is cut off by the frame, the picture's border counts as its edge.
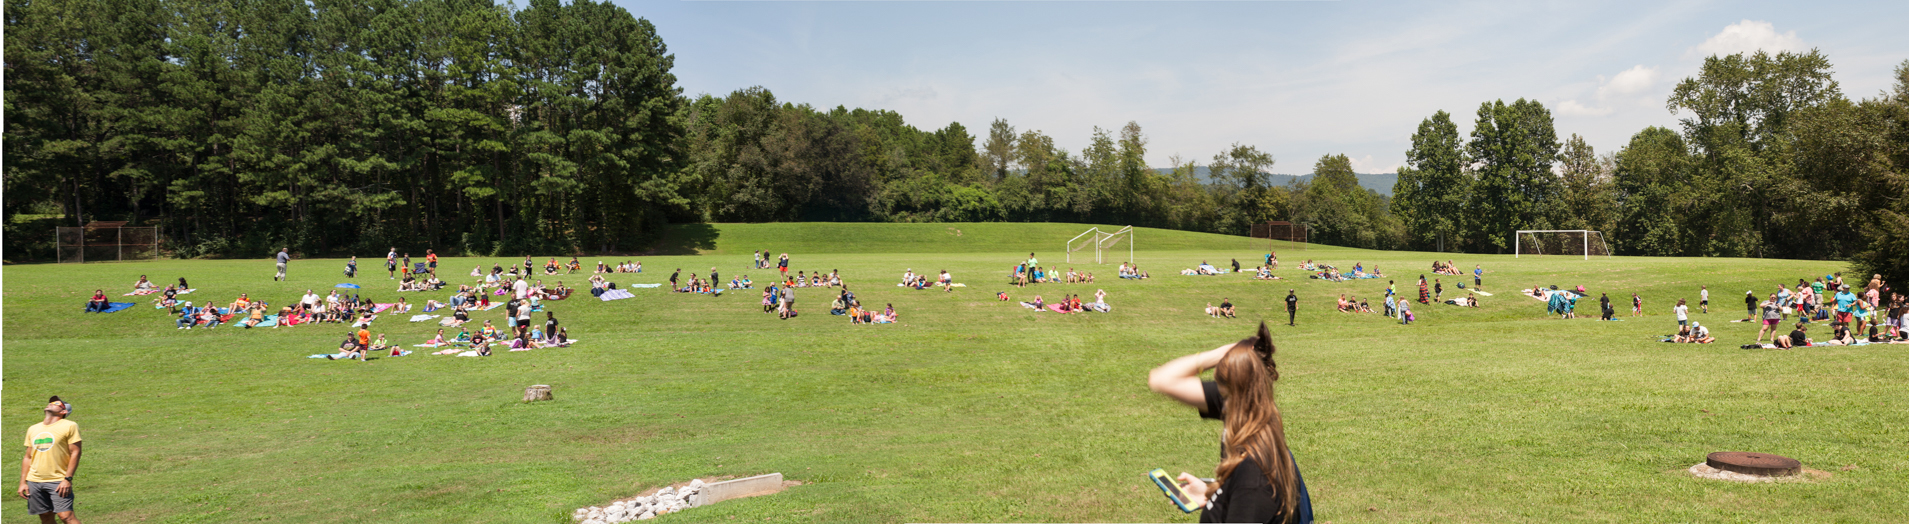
(430, 261)
(1292, 307)
(782, 265)
(1438, 290)
(391, 264)
(1637, 305)
(1604, 306)
(1478, 276)
(1750, 306)
(1257, 479)
(284, 255)
(53, 454)
(1683, 313)
(673, 277)
(1772, 315)
(1703, 298)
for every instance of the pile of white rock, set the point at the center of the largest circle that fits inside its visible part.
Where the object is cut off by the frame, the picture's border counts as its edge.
(664, 501)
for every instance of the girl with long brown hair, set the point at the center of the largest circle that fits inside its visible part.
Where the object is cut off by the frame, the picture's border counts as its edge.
(1256, 480)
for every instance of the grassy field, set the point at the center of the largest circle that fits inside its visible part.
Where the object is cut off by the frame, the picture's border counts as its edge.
(969, 409)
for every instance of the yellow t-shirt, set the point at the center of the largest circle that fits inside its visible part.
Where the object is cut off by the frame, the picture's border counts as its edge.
(51, 449)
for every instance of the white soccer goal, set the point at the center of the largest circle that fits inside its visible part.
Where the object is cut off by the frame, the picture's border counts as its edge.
(1101, 241)
(1582, 242)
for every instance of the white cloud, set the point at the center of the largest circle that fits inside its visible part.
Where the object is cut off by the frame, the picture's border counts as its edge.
(1629, 82)
(1573, 108)
(1749, 36)
(1367, 165)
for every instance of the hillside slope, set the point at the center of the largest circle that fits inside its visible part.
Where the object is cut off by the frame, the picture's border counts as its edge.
(869, 237)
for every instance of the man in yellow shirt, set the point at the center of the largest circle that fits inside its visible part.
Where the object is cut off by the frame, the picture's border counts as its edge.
(53, 454)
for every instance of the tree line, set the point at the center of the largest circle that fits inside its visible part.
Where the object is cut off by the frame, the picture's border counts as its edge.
(348, 126)
(1771, 160)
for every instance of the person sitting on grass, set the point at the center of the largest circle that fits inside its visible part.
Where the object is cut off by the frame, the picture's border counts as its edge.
(1226, 307)
(254, 315)
(98, 303)
(210, 317)
(1700, 334)
(143, 284)
(1344, 306)
(1839, 335)
(437, 340)
(836, 307)
(187, 317)
(459, 317)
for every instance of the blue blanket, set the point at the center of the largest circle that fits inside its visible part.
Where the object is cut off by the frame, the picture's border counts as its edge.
(112, 307)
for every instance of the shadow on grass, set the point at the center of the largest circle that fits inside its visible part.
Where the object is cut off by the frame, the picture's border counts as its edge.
(685, 239)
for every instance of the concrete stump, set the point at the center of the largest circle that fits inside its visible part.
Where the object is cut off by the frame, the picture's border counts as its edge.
(536, 393)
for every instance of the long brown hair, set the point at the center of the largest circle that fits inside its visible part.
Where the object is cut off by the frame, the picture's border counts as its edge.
(1254, 428)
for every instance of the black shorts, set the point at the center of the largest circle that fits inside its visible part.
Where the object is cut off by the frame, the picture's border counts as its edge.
(44, 497)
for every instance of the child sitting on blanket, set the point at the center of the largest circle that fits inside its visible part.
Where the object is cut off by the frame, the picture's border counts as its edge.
(561, 338)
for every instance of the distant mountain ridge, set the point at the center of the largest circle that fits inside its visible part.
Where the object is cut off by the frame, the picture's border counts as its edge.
(1380, 182)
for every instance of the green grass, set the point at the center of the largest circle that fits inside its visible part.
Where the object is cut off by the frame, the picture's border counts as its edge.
(969, 409)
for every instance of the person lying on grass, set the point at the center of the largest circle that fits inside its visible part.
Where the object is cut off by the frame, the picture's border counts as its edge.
(1036, 305)
(1256, 480)
(1798, 337)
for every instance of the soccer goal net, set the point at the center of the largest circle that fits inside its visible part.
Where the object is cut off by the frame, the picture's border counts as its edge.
(1100, 242)
(1569, 242)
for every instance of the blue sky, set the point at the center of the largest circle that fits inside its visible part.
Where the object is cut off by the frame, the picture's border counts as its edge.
(1297, 79)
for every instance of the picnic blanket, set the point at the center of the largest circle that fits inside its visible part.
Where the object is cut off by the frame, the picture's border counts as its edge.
(1481, 292)
(114, 307)
(1057, 308)
(494, 305)
(422, 318)
(183, 291)
(615, 294)
(379, 308)
(141, 292)
(348, 285)
(644, 286)
(1030, 305)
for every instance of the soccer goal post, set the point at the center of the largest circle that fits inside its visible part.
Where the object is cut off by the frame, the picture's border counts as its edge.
(1100, 241)
(1110, 240)
(1582, 242)
(1092, 236)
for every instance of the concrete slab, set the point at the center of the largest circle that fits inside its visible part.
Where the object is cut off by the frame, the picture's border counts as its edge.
(738, 488)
